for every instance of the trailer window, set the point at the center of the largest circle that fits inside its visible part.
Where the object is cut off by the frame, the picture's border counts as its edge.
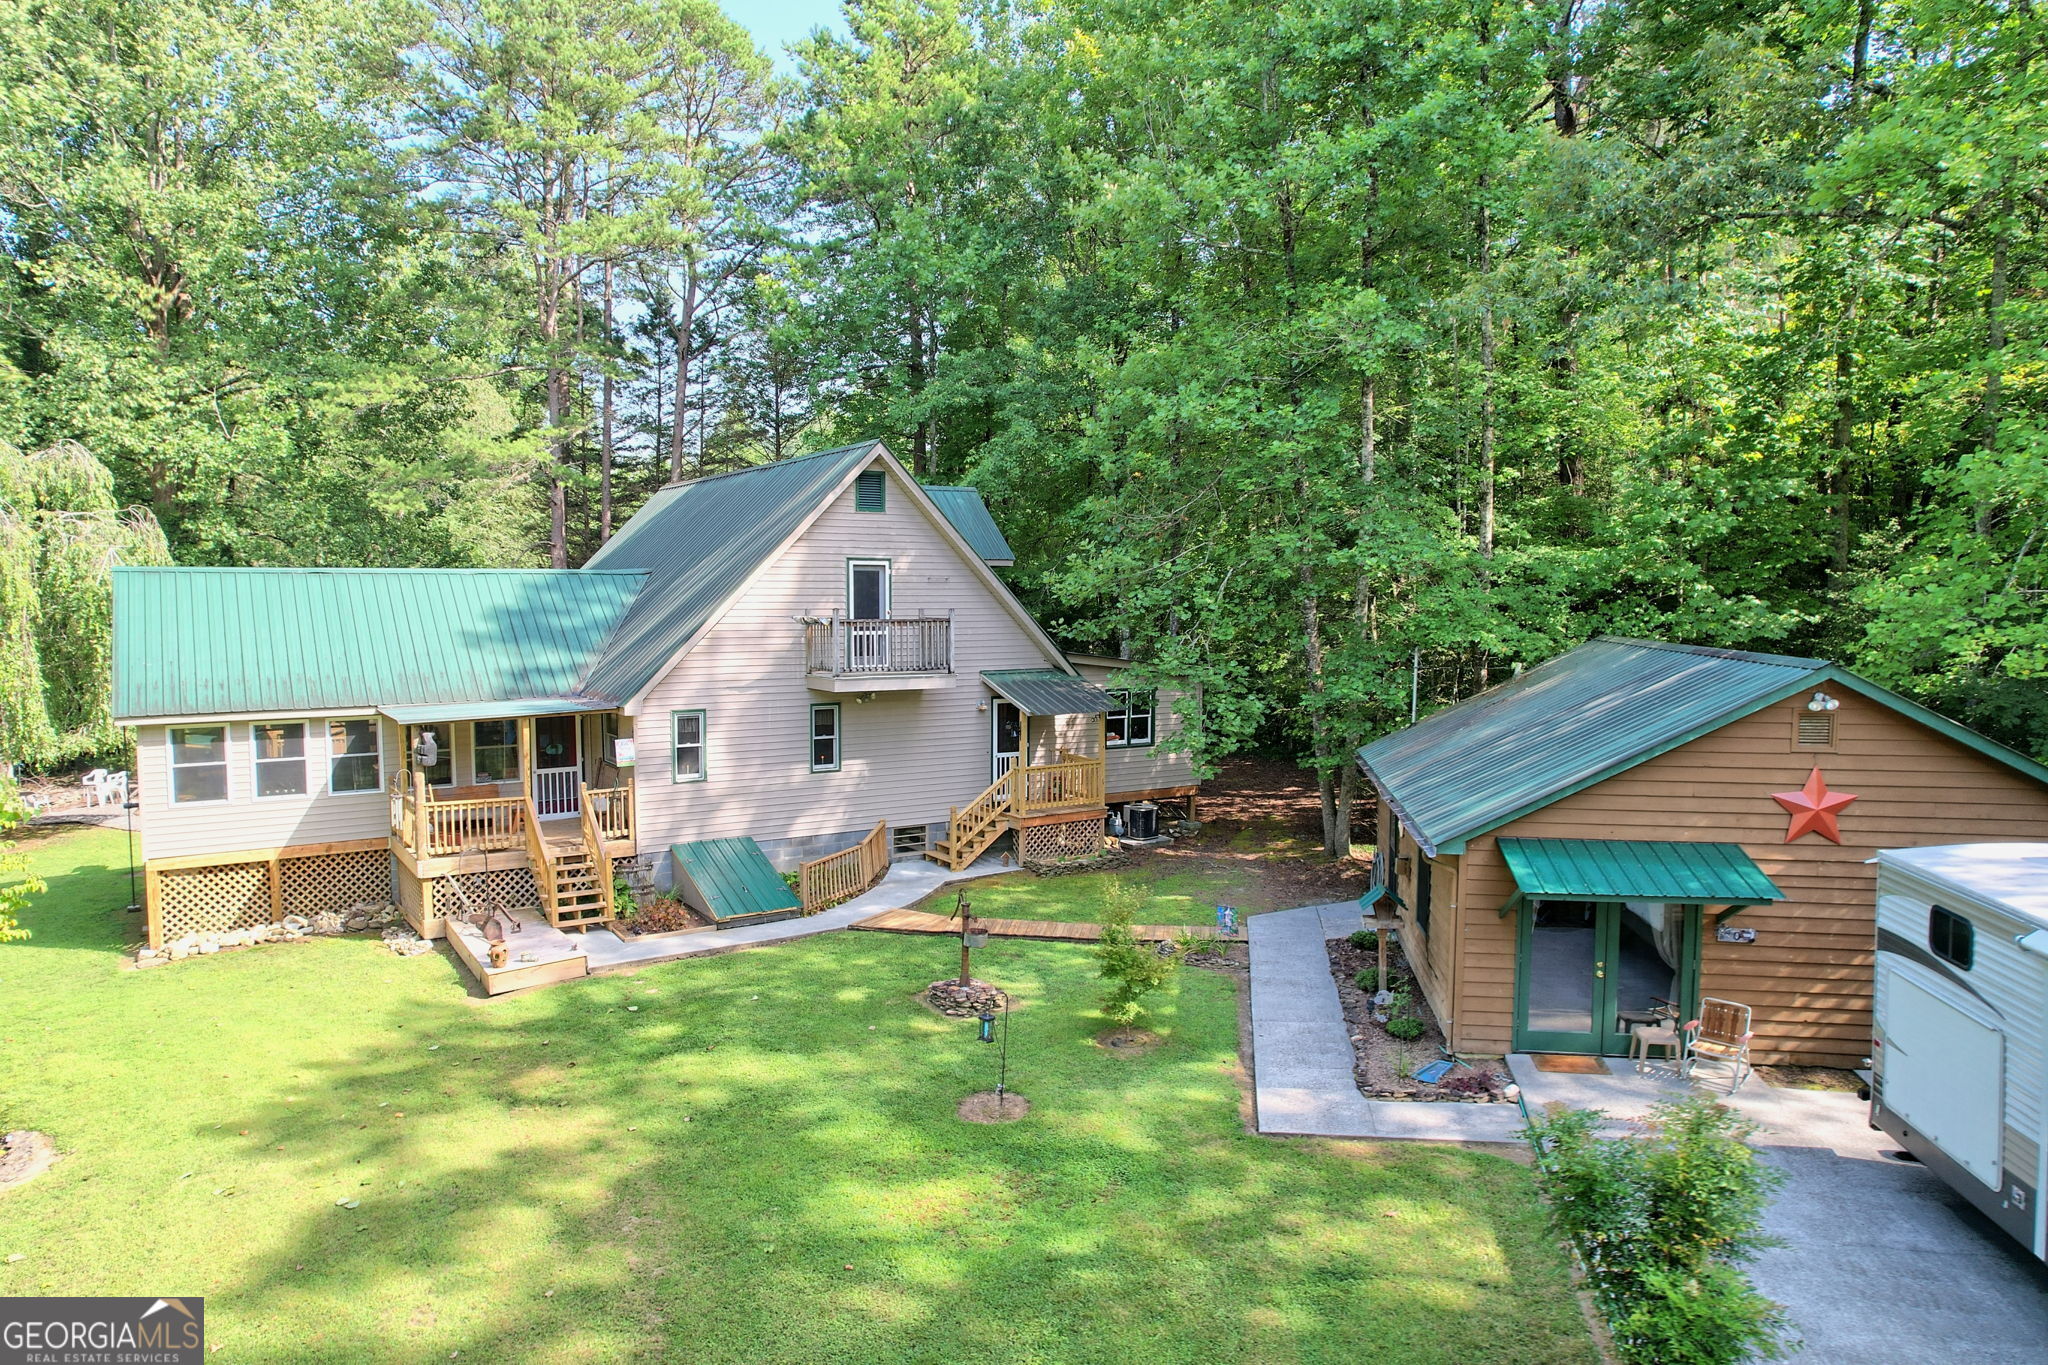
(1951, 937)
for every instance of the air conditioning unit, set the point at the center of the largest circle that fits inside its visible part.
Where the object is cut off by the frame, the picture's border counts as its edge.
(1141, 820)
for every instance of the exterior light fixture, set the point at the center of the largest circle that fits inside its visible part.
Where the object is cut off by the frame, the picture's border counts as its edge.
(1823, 702)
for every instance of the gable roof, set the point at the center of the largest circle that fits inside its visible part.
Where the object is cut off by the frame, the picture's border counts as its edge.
(195, 642)
(698, 542)
(970, 517)
(1588, 714)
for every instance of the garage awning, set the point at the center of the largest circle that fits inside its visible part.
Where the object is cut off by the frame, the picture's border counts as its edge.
(1048, 692)
(1635, 870)
(493, 710)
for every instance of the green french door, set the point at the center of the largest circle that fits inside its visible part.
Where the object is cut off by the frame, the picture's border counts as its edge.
(1585, 971)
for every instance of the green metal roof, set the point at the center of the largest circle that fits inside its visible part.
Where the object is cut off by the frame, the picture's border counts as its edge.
(1588, 714)
(494, 710)
(1048, 692)
(192, 642)
(970, 517)
(697, 542)
(1637, 870)
(734, 877)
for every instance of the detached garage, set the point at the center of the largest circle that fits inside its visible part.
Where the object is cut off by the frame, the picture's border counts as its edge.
(1635, 825)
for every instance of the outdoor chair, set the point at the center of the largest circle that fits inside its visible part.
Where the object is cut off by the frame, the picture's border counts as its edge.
(103, 788)
(1720, 1034)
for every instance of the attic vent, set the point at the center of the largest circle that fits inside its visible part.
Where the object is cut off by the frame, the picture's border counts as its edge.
(1816, 730)
(871, 492)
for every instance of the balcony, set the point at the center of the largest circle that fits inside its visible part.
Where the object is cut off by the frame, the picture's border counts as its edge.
(898, 653)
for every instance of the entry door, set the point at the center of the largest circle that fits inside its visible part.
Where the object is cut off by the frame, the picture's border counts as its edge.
(1586, 972)
(1006, 728)
(867, 603)
(557, 768)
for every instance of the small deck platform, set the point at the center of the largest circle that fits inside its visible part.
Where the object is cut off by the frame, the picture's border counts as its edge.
(538, 955)
(920, 922)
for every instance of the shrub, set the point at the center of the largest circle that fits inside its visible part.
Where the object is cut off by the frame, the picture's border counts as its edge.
(1364, 938)
(1133, 969)
(1406, 1027)
(1367, 980)
(1661, 1219)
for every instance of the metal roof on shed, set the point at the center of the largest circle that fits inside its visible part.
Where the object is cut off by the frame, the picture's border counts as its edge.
(1638, 870)
(1562, 725)
(970, 517)
(192, 641)
(697, 542)
(1048, 692)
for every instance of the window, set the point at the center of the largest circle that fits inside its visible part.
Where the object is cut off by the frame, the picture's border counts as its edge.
(1424, 878)
(279, 749)
(442, 774)
(871, 492)
(608, 737)
(825, 737)
(494, 750)
(867, 589)
(199, 763)
(1953, 938)
(1128, 723)
(354, 756)
(689, 746)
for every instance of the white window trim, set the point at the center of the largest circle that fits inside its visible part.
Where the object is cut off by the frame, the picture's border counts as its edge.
(675, 717)
(327, 742)
(1123, 697)
(474, 746)
(407, 738)
(256, 760)
(838, 737)
(226, 764)
(888, 588)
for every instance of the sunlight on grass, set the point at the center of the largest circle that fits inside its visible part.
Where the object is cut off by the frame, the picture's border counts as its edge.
(692, 1179)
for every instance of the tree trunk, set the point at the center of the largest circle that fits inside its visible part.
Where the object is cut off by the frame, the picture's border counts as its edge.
(1994, 344)
(605, 447)
(1841, 438)
(686, 319)
(557, 413)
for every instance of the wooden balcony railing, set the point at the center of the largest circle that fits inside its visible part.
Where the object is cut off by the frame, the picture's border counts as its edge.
(909, 644)
(1058, 786)
(430, 827)
(611, 810)
(824, 882)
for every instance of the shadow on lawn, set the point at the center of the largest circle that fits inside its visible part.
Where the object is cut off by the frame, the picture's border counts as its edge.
(83, 907)
(693, 1180)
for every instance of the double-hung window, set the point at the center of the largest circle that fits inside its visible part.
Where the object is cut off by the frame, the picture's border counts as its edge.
(442, 774)
(278, 749)
(199, 763)
(1128, 723)
(355, 756)
(494, 750)
(825, 737)
(688, 743)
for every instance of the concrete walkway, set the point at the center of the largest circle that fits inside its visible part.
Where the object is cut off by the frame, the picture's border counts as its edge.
(1301, 1050)
(906, 883)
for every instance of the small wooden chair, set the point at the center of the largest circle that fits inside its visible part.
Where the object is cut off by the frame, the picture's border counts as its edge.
(1720, 1034)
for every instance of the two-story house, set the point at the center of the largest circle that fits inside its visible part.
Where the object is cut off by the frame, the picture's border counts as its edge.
(793, 661)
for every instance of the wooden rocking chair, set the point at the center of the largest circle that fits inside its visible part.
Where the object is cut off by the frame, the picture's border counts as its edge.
(1720, 1034)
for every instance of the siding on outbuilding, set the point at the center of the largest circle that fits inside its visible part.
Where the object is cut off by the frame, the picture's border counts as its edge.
(1148, 768)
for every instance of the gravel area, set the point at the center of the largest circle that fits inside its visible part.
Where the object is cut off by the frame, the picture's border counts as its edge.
(1385, 1065)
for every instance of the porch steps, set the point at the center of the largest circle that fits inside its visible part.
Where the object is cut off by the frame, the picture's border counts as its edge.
(583, 894)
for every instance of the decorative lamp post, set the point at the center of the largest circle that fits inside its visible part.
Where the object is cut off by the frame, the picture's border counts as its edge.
(970, 938)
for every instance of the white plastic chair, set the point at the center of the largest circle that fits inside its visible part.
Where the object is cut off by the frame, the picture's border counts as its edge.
(103, 788)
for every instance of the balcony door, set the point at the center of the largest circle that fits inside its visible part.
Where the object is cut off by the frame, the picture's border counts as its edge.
(867, 606)
(557, 767)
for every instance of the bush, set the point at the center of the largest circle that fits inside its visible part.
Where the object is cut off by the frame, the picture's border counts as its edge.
(1661, 1219)
(1367, 980)
(1364, 938)
(1405, 1027)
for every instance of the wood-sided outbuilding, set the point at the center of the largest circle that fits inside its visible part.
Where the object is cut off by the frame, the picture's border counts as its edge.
(1635, 825)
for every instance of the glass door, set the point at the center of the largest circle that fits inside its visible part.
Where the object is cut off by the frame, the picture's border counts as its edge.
(1006, 725)
(867, 604)
(557, 769)
(1588, 973)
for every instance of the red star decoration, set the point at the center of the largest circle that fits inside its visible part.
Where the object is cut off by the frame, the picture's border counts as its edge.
(1813, 809)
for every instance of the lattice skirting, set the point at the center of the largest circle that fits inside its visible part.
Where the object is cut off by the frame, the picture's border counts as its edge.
(335, 881)
(427, 904)
(1060, 843)
(204, 900)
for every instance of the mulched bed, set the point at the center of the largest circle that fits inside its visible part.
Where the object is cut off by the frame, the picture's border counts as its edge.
(660, 916)
(1381, 1058)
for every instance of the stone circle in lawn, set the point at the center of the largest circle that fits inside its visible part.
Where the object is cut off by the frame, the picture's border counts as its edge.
(985, 1106)
(964, 1002)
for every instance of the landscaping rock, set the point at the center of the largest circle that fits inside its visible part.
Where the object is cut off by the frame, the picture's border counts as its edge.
(402, 940)
(964, 1002)
(24, 1155)
(329, 922)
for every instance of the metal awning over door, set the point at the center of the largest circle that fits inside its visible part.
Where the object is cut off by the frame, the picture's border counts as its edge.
(1669, 871)
(1048, 692)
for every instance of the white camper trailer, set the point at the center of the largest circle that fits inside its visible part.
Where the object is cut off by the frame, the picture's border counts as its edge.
(1961, 1046)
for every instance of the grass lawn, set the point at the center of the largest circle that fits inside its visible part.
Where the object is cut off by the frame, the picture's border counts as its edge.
(1179, 889)
(751, 1157)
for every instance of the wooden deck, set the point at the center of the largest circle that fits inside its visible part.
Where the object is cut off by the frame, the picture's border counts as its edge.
(918, 922)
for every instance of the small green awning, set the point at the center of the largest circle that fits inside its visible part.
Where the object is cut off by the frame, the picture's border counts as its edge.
(1048, 692)
(1636, 870)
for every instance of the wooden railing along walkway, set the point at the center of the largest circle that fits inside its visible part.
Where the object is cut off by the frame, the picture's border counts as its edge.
(825, 882)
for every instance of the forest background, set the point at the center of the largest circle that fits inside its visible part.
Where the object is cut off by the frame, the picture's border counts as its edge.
(1318, 353)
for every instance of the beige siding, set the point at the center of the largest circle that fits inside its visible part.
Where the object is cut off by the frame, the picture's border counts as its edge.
(1148, 768)
(243, 822)
(1808, 975)
(908, 757)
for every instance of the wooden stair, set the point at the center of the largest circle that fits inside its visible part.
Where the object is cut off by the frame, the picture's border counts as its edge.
(969, 832)
(572, 875)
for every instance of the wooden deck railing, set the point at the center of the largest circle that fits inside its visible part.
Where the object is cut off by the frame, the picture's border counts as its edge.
(902, 644)
(611, 811)
(483, 826)
(824, 882)
(537, 859)
(1057, 786)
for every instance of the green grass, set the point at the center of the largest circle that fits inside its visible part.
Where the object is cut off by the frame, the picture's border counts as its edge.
(556, 1176)
(1185, 890)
